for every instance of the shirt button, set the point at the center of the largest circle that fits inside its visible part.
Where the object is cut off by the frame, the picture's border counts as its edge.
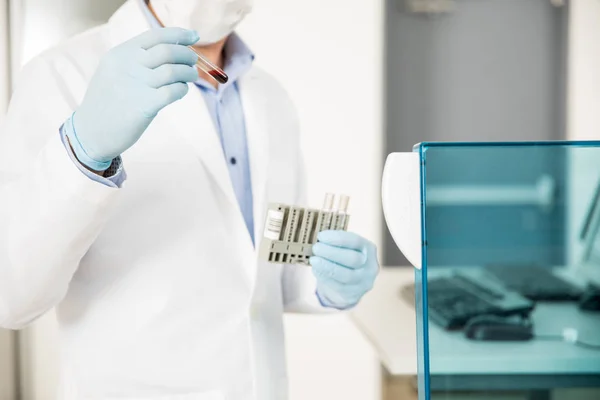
(233, 161)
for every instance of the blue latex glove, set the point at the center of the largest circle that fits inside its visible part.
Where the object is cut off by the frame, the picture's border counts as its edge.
(133, 82)
(345, 266)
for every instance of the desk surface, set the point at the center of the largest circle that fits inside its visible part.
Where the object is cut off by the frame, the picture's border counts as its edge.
(389, 323)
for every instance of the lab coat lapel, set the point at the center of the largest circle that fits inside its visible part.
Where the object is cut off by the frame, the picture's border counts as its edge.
(126, 23)
(190, 119)
(256, 115)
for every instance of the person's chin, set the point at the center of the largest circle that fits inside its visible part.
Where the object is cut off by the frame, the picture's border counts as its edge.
(211, 43)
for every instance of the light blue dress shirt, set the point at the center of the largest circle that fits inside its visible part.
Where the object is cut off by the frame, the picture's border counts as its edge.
(225, 108)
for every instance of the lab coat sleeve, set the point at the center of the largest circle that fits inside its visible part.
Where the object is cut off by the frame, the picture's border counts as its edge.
(114, 176)
(50, 213)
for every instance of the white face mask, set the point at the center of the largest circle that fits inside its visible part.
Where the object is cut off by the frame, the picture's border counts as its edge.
(212, 19)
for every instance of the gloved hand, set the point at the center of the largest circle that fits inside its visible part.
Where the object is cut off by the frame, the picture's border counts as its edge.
(133, 82)
(345, 266)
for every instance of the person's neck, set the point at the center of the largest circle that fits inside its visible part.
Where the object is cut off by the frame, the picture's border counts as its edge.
(213, 52)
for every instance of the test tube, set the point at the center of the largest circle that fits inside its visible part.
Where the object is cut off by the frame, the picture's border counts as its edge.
(211, 69)
(343, 206)
(342, 216)
(327, 211)
(328, 202)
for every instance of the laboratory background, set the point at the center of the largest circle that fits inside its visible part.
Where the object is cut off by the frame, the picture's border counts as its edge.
(369, 78)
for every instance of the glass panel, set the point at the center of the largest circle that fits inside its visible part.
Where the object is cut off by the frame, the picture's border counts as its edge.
(510, 282)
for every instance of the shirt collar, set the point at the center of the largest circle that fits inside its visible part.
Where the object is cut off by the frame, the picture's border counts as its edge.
(238, 56)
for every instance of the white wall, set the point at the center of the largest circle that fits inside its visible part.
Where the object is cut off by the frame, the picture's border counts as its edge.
(314, 48)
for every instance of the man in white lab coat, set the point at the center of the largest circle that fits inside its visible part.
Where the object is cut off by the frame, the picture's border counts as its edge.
(134, 189)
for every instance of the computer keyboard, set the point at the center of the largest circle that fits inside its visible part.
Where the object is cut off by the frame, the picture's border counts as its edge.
(453, 300)
(536, 283)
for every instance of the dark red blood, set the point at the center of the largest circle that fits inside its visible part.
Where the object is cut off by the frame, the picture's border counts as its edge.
(219, 76)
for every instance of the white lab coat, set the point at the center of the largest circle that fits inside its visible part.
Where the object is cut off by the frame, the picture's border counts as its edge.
(156, 285)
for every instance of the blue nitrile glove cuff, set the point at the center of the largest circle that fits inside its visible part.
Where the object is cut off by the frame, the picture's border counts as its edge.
(329, 304)
(80, 152)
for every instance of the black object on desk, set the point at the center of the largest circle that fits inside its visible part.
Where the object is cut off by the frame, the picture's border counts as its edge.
(495, 328)
(590, 300)
(536, 283)
(453, 300)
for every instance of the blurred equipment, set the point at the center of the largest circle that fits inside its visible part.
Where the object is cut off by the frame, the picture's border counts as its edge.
(536, 283)
(590, 300)
(562, 354)
(539, 283)
(495, 328)
(429, 6)
(290, 231)
(454, 300)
